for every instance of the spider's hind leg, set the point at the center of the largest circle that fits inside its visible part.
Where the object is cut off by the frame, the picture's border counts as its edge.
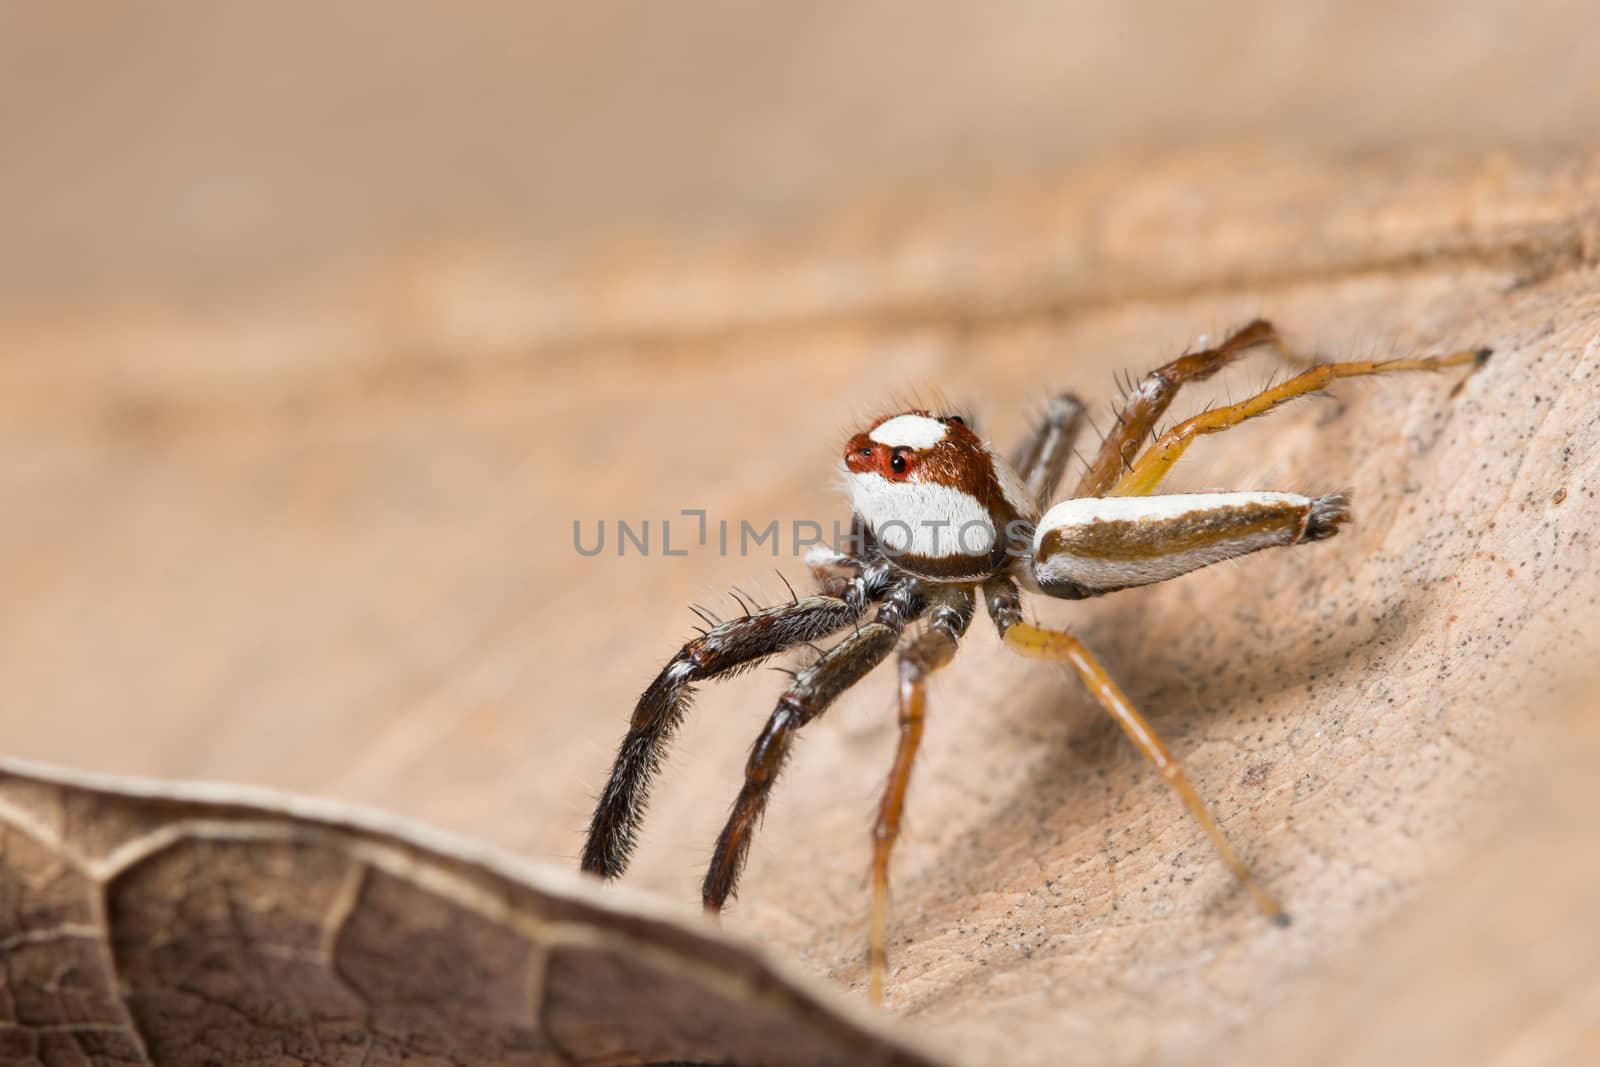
(1144, 476)
(1000, 597)
(726, 649)
(1150, 399)
(931, 650)
(814, 689)
(1042, 458)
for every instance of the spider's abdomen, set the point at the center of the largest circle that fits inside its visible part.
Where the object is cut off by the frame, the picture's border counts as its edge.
(1094, 545)
(938, 502)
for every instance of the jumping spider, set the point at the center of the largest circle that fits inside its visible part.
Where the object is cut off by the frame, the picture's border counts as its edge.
(941, 520)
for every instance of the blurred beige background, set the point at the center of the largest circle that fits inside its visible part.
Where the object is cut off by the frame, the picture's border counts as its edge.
(185, 148)
(319, 326)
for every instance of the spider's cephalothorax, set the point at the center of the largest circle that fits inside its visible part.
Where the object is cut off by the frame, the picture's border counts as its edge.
(944, 522)
(938, 501)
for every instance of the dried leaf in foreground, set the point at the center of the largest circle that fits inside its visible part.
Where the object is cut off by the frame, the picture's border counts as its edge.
(209, 925)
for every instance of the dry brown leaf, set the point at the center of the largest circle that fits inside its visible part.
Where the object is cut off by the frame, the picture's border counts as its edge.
(1498, 962)
(191, 925)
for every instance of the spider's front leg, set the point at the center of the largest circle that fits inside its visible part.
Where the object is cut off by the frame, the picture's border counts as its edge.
(1005, 608)
(814, 689)
(934, 648)
(724, 650)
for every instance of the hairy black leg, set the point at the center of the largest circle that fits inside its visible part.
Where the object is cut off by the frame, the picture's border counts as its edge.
(1152, 396)
(814, 689)
(1042, 459)
(948, 619)
(724, 650)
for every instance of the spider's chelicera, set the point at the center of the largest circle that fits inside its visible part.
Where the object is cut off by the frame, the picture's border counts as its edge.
(940, 522)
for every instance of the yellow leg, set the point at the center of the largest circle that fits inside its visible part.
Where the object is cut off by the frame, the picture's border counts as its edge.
(932, 650)
(1146, 474)
(1149, 400)
(1039, 643)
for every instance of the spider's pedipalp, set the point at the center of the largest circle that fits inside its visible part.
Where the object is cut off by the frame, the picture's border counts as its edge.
(1328, 513)
(1092, 545)
(834, 570)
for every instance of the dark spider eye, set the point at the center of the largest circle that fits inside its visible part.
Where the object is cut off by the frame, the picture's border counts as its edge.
(957, 419)
(897, 463)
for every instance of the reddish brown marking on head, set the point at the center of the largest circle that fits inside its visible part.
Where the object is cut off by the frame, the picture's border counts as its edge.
(919, 446)
(865, 456)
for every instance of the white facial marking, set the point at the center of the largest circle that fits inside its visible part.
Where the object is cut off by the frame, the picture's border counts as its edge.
(909, 431)
(922, 518)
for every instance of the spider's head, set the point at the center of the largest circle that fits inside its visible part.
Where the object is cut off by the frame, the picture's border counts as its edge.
(900, 447)
(934, 496)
